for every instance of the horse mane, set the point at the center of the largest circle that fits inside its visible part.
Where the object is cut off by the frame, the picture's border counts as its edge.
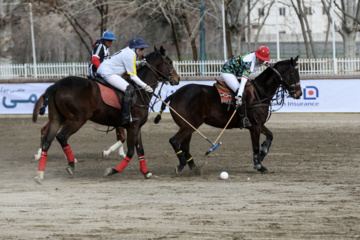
(268, 72)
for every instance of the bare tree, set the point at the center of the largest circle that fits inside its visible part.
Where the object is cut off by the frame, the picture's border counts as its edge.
(350, 25)
(260, 23)
(305, 28)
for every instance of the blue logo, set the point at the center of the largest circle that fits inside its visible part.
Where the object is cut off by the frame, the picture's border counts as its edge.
(311, 93)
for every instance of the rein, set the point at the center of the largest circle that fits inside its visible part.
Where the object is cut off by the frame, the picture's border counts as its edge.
(283, 86)
(161, 77)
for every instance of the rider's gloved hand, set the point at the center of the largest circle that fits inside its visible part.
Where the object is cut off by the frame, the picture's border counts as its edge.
(142, 62)
(148, 89)
(238, 101)
(269, 64)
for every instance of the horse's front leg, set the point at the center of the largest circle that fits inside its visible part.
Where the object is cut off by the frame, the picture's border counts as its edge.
(132, 133)
(265, 146)
(141, 154)
(255, 139)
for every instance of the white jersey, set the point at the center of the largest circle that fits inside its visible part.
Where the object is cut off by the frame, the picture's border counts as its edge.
(254, 66)
(124, 61)
(121, 62)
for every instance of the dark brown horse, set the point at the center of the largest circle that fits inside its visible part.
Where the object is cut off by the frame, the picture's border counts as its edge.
(202, 105)
(73, 101)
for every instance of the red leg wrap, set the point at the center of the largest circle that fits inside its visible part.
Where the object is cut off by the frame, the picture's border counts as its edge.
(42, 162)
(69, 154)
(123, 164)
(143, 167)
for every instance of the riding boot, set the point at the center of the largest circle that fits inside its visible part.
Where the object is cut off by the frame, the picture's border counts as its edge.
(125, 106)
(244, 120)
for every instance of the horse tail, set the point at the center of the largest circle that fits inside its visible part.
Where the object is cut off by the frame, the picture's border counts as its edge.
(37, 106)
(42, 102)
(163, 106)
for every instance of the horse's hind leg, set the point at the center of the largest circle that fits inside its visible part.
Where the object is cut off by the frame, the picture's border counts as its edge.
(68, 129)
(42, 134)
(121, 137)
(52, 128)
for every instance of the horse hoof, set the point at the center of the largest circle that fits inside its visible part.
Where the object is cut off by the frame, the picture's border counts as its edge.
(70, 170)
(38, 180)
(148, 175)
(263, 169)
(178, 170)
(104, 154)
(108, 172)
(257, 166)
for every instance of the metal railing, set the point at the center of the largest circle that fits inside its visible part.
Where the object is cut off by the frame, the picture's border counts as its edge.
(344, 66)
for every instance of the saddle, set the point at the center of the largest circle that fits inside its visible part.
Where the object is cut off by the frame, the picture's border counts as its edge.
(110, 95)
(227, 96)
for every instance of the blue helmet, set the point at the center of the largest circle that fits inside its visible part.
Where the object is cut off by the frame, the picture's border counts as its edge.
(108, 35)
(137, 42)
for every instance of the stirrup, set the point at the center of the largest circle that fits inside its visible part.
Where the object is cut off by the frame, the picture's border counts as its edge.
(133, 119)
(246, 122)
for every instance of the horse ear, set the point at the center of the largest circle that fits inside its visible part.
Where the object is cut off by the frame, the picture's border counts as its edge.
(296, 58)
(162, 50)
(155, 49)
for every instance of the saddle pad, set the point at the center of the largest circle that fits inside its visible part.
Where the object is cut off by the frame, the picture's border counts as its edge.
(224, 93)
(108, 96)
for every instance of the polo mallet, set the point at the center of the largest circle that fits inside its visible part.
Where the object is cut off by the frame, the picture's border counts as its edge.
(213, 145)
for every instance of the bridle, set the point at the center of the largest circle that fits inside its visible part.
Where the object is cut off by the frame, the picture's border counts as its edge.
(161, 76)
(287, 86)
(280, 91)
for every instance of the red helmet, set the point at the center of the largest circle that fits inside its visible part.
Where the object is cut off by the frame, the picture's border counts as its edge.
(263, 53)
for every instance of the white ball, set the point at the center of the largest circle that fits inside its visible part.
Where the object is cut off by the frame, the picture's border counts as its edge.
(224, 175)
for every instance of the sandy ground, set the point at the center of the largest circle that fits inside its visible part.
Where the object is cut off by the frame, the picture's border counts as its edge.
(312, 190)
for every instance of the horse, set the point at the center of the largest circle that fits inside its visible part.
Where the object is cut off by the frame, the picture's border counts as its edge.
(202, 104)
(72, 101)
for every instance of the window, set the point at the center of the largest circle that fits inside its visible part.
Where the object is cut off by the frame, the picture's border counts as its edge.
(282, 11)
(308, 11)
(261, 12)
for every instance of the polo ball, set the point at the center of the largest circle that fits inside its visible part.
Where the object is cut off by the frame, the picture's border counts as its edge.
(224, 175)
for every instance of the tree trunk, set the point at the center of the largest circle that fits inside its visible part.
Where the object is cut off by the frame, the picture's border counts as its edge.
(309, 32)
(192, 39)
(228, 35)
(300, 14)
(349, 27)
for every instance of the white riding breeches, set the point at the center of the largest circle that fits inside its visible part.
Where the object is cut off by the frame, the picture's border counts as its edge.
(116, 81)
(233, 83)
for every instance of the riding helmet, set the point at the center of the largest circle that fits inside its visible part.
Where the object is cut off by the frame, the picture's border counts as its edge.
(137, 42)
(108, 35)
(263, 53)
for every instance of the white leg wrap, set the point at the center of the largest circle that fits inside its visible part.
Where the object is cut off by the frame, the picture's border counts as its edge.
(40, 175)
(112, 148)
(38, 155)
(121, 150)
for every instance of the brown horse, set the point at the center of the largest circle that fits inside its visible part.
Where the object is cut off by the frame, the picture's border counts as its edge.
(73, 101)
(202, 104)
